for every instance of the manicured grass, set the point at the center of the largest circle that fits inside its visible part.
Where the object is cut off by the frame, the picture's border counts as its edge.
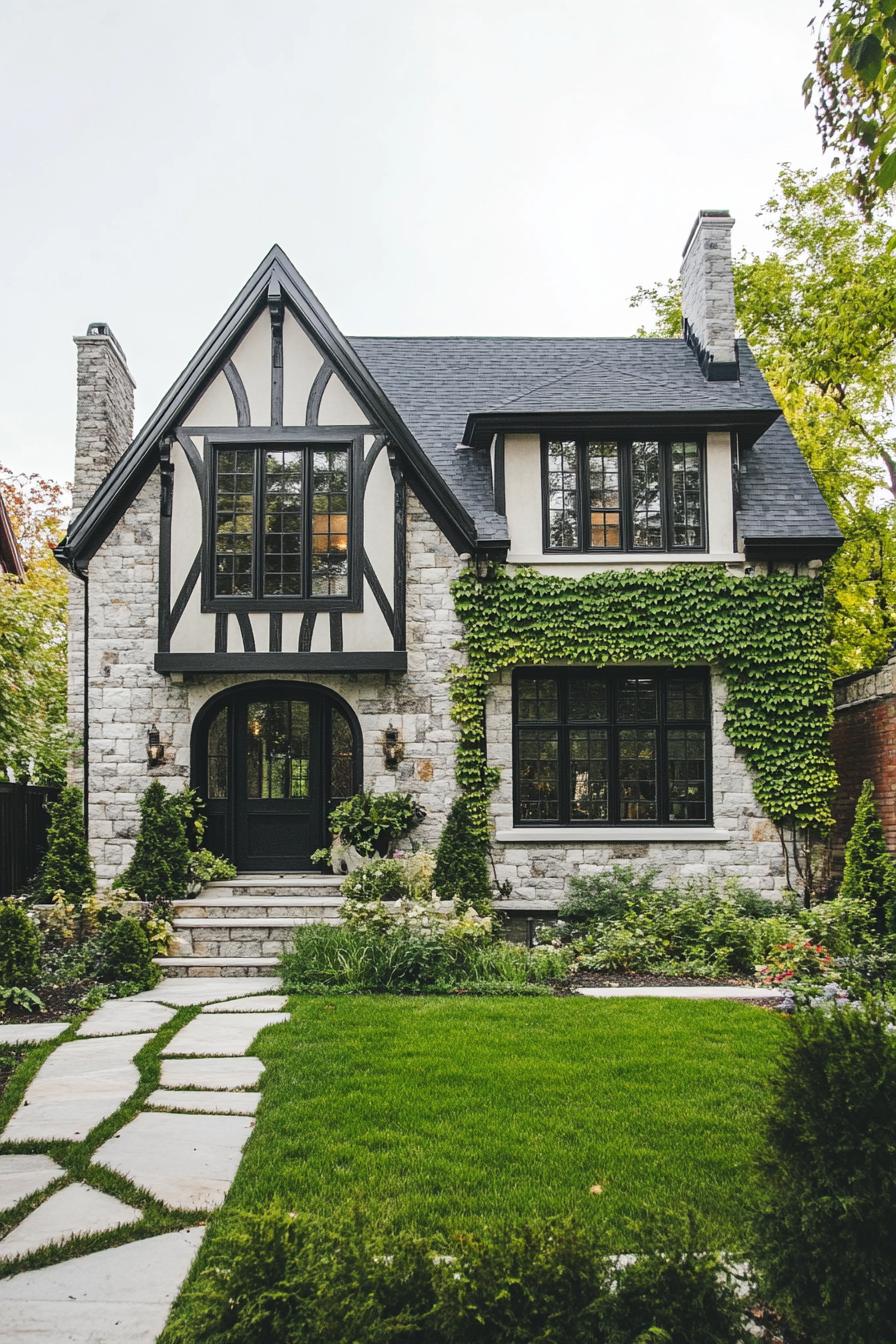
(443, 1113)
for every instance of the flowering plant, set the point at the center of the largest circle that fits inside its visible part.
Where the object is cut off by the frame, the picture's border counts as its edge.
(798, 959)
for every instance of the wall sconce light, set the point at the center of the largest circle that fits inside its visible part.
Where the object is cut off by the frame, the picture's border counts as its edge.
(392, 748)
(482, 567)
(155, 752)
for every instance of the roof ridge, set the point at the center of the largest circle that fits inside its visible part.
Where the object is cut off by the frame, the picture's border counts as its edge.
(641, 340)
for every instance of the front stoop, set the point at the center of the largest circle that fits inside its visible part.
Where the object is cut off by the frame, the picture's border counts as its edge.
(242, 927)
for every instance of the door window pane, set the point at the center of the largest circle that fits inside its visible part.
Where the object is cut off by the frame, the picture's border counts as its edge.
(686, 754)
(278, 749)
(283, 492)
(637, 774)
(342, 769)
(563, 494)
(588, 774)
(234, 503)
(329, 523)
(647, 516)
(539, 791)
(218, 755)
(687, 489)
(604, 503)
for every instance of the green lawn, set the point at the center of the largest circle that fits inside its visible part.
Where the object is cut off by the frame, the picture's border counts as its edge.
(447, 1113)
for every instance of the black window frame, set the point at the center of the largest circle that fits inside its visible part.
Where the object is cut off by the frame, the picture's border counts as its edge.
(624, 441)
(261, 443)
(565, 676)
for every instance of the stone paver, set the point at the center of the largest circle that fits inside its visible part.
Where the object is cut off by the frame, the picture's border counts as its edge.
(28, 1033)
(117, 1017)
(23, 1174)
(209, 988)
(681, 992)
(186, 1161)
(119, 1296)
(80, 1084)
(207, 1103)
(262, 1003)
(224, 1034)
(221, 1072)
(73, 1211)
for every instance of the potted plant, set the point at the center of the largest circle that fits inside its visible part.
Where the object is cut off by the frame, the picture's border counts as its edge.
(368, 826)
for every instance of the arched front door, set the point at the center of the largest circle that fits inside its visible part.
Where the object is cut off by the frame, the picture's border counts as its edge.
(271, 760)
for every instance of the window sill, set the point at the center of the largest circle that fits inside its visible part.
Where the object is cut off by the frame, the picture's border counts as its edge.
(626, 558)
(681, 835)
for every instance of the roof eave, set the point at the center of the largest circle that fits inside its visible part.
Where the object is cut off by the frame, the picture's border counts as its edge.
(820, 547)
(482, 425)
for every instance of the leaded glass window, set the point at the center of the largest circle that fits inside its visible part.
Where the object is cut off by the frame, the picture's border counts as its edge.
(617, 494)
(611, 746)
(281, 522)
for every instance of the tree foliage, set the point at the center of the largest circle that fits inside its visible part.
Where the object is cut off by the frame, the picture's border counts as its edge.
(853, 91)
(869, 872)
(819, 311)
(33, 743)
(67, 865)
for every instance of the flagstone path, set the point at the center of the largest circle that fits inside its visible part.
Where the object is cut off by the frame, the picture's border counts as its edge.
(183, 1148)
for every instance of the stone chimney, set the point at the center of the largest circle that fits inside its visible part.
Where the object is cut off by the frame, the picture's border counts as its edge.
(707, 295)
(105, 414)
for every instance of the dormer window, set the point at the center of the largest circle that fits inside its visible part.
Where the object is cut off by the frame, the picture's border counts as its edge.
(279, 523)
(608, 493)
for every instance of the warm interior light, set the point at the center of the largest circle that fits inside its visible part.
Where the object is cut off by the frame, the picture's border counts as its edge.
(329, 532)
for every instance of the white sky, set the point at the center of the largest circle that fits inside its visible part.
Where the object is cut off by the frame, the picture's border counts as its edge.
(504, 167)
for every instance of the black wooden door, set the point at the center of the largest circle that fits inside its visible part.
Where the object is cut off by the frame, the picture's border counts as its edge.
(277, 784)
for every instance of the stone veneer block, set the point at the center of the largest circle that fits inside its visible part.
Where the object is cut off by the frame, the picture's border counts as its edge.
(204, 1103)
(186, 1161)
(81, 1084)
(261, 1003)
(30, 1033)
(184, 992)
(225, 1034)
(23, 1174)
(76, 1210)
(119, 1017)
(211, 1074)
(119, 1296)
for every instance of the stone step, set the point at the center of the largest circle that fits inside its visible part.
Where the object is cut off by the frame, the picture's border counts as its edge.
(259, 923)
(232, 908)
(319, 885)
(229, 966)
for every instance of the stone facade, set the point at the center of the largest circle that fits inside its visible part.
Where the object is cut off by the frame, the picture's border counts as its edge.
(864, 743)
(127, 695)
(538, 871)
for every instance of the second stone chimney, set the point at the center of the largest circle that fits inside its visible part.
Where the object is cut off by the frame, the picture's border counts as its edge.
(707, 295)
(105, 410)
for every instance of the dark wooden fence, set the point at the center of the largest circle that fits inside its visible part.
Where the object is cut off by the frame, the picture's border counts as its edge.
(23, 833)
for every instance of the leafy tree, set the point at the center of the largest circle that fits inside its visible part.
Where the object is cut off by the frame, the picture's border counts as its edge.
(461, 871)
(160, 868)
(869, 872)
(819, 312)
(854, 93)
(33, 612)
(67, 865)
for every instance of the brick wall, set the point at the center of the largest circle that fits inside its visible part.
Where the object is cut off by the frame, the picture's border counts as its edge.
(864, 743)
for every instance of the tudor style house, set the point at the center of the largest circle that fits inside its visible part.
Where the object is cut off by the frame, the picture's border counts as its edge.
(261, 580)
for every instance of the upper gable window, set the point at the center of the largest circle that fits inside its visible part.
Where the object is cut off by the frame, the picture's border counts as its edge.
(615, 494)
(280, 522)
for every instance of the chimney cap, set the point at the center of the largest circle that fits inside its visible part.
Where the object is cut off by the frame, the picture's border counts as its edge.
(701, 216)
(101, 331)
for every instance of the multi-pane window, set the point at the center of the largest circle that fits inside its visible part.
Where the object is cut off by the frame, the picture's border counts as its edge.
(281, 522)
(614, 494)
(615, 746)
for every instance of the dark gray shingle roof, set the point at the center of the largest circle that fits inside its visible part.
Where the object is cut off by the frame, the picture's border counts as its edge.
(435, 383)
(779, 494)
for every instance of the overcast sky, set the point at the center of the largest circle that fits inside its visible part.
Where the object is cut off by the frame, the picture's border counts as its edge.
(505, 167)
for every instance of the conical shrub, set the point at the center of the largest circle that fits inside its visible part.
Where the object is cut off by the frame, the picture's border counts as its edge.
(461, 871)
(868, 870)
(67, 865)
(159, 869)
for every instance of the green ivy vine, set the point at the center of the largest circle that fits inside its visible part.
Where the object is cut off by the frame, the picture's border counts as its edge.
(767, 633)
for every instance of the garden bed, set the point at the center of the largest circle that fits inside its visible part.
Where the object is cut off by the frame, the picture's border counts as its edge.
(636, 979)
